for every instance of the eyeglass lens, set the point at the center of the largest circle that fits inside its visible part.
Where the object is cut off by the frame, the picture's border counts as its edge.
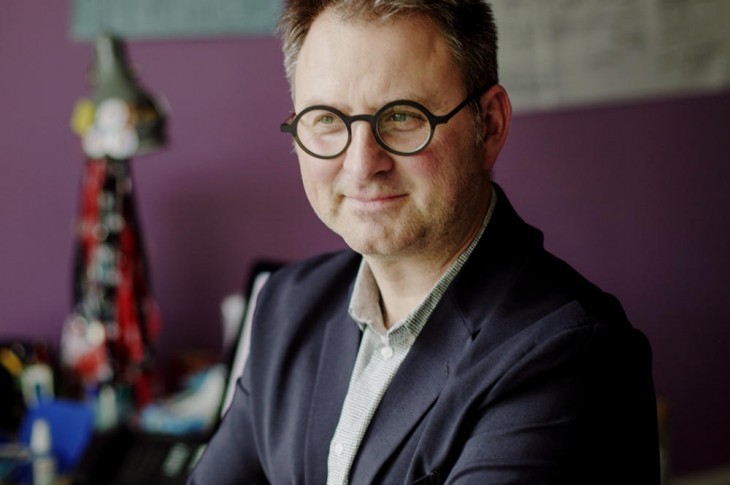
(401, 128)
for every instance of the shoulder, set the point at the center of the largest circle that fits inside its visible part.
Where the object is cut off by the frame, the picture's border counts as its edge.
(511, 283)
(519, 299)
(313, 285)
(328, 265)
(312, 275)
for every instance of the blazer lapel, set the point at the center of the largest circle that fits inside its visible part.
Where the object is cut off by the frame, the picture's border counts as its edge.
(338, 352)
(413, 390)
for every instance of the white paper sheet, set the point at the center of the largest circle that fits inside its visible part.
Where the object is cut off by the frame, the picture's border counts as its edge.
(556, 53)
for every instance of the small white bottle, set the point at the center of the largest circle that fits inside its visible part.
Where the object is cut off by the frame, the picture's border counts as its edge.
(107, 414)
(37, 384)
(44, 464)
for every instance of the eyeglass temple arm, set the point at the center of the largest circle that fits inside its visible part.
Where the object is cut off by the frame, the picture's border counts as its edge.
(287, 127)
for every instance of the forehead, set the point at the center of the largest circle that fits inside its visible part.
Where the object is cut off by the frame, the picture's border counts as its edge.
(356, 63)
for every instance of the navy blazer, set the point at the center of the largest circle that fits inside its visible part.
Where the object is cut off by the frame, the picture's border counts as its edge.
(525, 373)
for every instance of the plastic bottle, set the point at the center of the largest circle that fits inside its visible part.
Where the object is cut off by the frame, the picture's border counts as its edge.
(44, 464)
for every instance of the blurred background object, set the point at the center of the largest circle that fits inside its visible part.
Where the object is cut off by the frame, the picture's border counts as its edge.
(108, 340)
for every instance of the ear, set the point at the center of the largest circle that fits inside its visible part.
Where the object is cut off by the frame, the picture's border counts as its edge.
(496, 119)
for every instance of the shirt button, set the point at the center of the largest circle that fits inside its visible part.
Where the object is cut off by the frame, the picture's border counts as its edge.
(339, 449)
(386, 352)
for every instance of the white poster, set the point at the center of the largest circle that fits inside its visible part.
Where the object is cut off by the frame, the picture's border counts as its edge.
(557, 53)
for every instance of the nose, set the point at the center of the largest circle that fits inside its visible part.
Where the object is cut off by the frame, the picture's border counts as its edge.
(364, 157)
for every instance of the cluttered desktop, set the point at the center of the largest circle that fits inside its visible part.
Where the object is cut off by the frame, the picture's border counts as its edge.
(48, 435)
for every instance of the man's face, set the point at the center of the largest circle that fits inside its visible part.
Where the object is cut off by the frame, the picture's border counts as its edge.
(427, 205)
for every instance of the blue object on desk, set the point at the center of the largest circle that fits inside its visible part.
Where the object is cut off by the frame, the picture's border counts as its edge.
(72, 425)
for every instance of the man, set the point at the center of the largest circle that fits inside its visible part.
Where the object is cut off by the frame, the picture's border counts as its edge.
(447, 346)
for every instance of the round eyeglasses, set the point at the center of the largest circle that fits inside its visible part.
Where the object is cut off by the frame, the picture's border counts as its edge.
(401, 127)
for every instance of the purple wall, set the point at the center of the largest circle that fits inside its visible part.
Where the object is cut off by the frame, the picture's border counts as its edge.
(633, 196)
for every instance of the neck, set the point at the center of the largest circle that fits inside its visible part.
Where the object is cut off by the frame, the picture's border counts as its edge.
(402, 286)
(404, 281)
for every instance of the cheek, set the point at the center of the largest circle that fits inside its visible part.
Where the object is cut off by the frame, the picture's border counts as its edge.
(434, 168)
(317, 175)
(444, 172)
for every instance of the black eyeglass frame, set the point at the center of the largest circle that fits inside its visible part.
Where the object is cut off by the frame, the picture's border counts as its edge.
(290, 126)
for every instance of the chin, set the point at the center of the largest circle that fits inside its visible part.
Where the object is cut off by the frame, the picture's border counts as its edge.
(382, 238)
(375, 243)
(371, 245)
(370, 248)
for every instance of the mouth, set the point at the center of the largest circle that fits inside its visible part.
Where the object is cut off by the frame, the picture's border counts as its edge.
(374, 202)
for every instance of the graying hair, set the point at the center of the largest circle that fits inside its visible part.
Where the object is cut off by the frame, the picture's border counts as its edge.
(467, 26)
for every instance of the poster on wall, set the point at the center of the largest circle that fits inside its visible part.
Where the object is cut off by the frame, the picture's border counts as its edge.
(172, 19)
(558, 53)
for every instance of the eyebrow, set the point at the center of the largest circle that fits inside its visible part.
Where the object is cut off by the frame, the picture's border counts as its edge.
(346, 109)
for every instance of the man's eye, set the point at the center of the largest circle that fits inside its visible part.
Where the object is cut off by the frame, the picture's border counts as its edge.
(321, 121)
(402, 118)
(326, 119)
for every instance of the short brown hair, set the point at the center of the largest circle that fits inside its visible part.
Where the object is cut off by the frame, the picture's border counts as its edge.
(467, 26)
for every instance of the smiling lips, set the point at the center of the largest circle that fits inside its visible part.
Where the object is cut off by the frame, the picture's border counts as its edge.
(373, 202)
